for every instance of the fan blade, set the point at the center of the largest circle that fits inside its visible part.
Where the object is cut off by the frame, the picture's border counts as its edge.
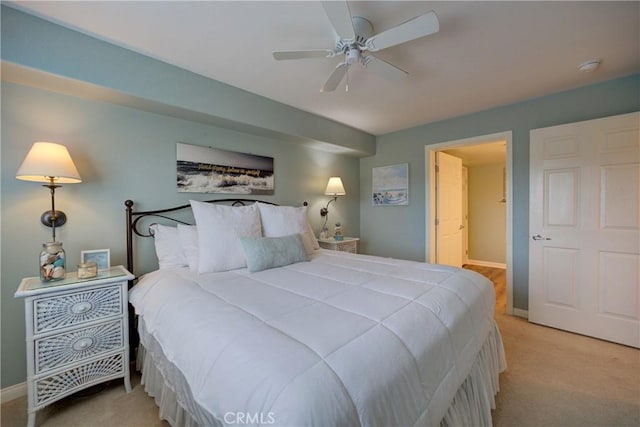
(302, 54)
(340, 17)
(415, 28)
(335, 78)
(383, 68)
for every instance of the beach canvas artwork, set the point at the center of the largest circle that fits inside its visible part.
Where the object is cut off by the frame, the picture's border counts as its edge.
(212, 170)
(391, 185)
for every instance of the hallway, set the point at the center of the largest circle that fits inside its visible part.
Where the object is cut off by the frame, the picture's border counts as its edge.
(499, 278)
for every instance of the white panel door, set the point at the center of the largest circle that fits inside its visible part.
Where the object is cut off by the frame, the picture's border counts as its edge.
(449, 223)
(584, 247)
(465, 215)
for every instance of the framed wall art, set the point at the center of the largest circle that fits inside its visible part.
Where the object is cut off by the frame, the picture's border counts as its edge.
(391, 185)
(212, 170)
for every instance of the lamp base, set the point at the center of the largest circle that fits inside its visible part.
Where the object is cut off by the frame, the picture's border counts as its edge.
(51, 218)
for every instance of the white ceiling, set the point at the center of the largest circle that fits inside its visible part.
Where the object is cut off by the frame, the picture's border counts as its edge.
(486, 54)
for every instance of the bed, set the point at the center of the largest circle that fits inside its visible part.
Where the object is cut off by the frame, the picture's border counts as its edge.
(309, 336)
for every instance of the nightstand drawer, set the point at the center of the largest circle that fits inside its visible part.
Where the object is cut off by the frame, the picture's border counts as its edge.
(351, 246)
(77, 345)
(76, 308)
(52, 387)
(348, 244)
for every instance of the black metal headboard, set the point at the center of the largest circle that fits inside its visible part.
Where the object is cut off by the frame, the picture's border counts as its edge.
(134, 218)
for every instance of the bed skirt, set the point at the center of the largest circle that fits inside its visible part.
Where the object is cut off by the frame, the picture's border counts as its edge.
(471, 406)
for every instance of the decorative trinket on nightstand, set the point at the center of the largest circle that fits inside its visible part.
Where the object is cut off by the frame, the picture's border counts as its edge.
(324, 233)
(337, 232)
(52, 262)
(87, 270)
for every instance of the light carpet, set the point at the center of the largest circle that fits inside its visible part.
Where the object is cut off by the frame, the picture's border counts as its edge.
(554, 378)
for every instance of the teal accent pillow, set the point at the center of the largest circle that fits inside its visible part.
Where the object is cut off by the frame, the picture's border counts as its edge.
(263, 253)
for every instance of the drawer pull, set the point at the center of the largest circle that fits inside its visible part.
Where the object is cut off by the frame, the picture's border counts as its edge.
(81, 307)
(83, 344)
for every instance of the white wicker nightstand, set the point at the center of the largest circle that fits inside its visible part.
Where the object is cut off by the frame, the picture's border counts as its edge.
(347, 244)
(77, 335)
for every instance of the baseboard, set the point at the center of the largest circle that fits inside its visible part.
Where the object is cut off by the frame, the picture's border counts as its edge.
(521, 313)
(13, 392)
(487, 263)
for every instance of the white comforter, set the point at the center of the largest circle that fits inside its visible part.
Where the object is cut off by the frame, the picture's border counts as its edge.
(341, 340)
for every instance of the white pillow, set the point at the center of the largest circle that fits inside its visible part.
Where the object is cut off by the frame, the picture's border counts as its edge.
(312, 236)
(188, 235)
(168, 247)
(278, 221)
(219, 231)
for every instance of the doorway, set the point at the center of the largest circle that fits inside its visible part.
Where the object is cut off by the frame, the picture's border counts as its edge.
(478, 146)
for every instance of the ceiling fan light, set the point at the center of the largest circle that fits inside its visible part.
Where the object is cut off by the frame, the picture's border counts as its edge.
(352, 56)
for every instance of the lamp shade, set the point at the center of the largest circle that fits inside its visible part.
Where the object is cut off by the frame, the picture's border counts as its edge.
(46, 161)
(335, 187)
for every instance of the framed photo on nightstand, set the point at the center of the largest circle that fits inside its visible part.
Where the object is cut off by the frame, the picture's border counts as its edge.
(102, 257)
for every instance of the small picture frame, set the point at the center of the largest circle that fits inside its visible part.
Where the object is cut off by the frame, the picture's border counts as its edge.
(102, 257)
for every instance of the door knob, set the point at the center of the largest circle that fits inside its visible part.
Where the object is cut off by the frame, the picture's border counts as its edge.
(539, 237)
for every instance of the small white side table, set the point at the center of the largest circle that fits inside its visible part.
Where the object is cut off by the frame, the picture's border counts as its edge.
(77, 334)
(347, 244)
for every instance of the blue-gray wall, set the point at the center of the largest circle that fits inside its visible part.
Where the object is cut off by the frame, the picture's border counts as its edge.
(123, 153)
(400, 231)
(127, 77)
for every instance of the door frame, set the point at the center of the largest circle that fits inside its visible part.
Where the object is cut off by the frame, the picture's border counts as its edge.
(465, 215)
(430, 198)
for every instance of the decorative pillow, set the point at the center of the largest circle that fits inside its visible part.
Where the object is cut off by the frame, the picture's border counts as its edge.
(270, 252)
(168, 247)
(188, 235)
(219, 231)
(278, 221)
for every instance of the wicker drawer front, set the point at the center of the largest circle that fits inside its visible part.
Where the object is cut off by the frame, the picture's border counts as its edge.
(348, 247)
(77, 345)
(53, 387)
(77, 308)
(349, 244)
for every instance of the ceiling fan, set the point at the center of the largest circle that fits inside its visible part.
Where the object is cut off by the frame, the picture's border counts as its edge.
(355, 39)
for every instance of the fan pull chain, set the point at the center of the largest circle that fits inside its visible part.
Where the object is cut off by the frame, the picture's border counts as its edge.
(346, 88)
